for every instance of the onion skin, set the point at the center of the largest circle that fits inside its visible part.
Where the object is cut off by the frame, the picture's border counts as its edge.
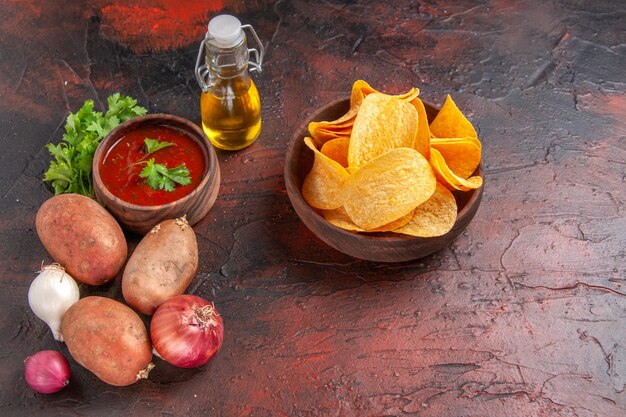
(187, 331)
(47, 371)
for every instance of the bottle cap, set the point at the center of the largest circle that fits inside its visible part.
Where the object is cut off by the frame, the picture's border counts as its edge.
(225, 31)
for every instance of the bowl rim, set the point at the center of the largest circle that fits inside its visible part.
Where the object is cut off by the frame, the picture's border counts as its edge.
(194, 131)
(294, 191)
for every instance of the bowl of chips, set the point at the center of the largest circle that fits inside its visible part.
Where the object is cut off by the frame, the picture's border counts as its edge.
(386, 178)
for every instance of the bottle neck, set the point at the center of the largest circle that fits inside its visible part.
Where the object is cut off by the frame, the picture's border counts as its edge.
(227, 62)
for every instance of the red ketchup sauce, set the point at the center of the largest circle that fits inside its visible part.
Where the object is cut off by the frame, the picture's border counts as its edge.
(120, 173)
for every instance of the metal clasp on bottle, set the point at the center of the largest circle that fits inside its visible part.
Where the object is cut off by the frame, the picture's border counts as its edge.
(205, 76)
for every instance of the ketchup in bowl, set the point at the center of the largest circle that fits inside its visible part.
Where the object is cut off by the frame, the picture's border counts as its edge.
(124, 161)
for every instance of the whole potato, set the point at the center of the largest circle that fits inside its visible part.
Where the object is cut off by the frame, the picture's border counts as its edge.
(162, 266)
(109, 339)
(83, 237)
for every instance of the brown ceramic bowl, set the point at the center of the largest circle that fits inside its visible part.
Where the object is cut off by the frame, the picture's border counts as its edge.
(381, 247)
(141, 219)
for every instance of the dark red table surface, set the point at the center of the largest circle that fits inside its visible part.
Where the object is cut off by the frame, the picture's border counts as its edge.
(524, 314)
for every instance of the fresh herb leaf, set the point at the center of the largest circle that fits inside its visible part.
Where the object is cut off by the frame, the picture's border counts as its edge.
(121, 108)
(70, 170)
(153, 145)
(159, 177)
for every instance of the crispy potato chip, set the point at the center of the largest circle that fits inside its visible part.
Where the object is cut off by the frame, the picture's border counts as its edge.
(435, 217)
(388, 187)
(351, 170)
(322, 136)
(322, 132)
(395, 224)
(323, 187)
(408, 96)
(330, 130)
(360, 89)
(462, 155)
(334, 127)
(451, 123)
(475, 141)
(448, 178)
(345, 121)
(337, 149)
(383, 123)
(337, 131)
(422, 139)
(340, 218)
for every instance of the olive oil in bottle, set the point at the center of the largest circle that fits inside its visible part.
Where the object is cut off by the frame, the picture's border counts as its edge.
(231, 116)
(230, 105)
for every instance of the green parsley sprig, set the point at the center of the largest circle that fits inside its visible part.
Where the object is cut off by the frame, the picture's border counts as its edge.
(160, 177)
(70, 170)
(153, 145)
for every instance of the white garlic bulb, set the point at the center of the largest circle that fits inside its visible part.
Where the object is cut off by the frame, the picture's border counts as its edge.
(51, 294)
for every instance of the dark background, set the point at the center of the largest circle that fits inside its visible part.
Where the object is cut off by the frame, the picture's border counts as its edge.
(523, 315)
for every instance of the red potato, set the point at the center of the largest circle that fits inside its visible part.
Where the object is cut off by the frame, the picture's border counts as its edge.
(162, 266)
(109, 339)
(83, 237)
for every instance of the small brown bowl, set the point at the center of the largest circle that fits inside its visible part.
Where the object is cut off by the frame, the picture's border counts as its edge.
(141, 219)
(381, 247)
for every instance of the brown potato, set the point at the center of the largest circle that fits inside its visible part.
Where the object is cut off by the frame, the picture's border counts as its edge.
(83, 237)
(109, 339)
(162, 266)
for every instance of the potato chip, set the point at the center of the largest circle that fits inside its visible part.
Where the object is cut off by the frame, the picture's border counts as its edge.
(422, 139)
(462, 155)
(435, 217)
(338, 217)
(360, 89)
(388, 187)
(475, 141)
(323, 131)
(345, 121)
(337, 149)
(409, 95)
(395, 224)
(332, 126)
(451, 123)
(321, 136)
(448, 178)
(383, 123)
(323, 187)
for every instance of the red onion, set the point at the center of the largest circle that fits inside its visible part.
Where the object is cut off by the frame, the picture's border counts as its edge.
(187, 331)
(47, 371)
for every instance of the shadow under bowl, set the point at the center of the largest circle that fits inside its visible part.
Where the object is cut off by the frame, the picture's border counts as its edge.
(139, 218)
(379, 247)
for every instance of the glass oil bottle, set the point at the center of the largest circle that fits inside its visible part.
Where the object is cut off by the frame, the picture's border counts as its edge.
(230, 105)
